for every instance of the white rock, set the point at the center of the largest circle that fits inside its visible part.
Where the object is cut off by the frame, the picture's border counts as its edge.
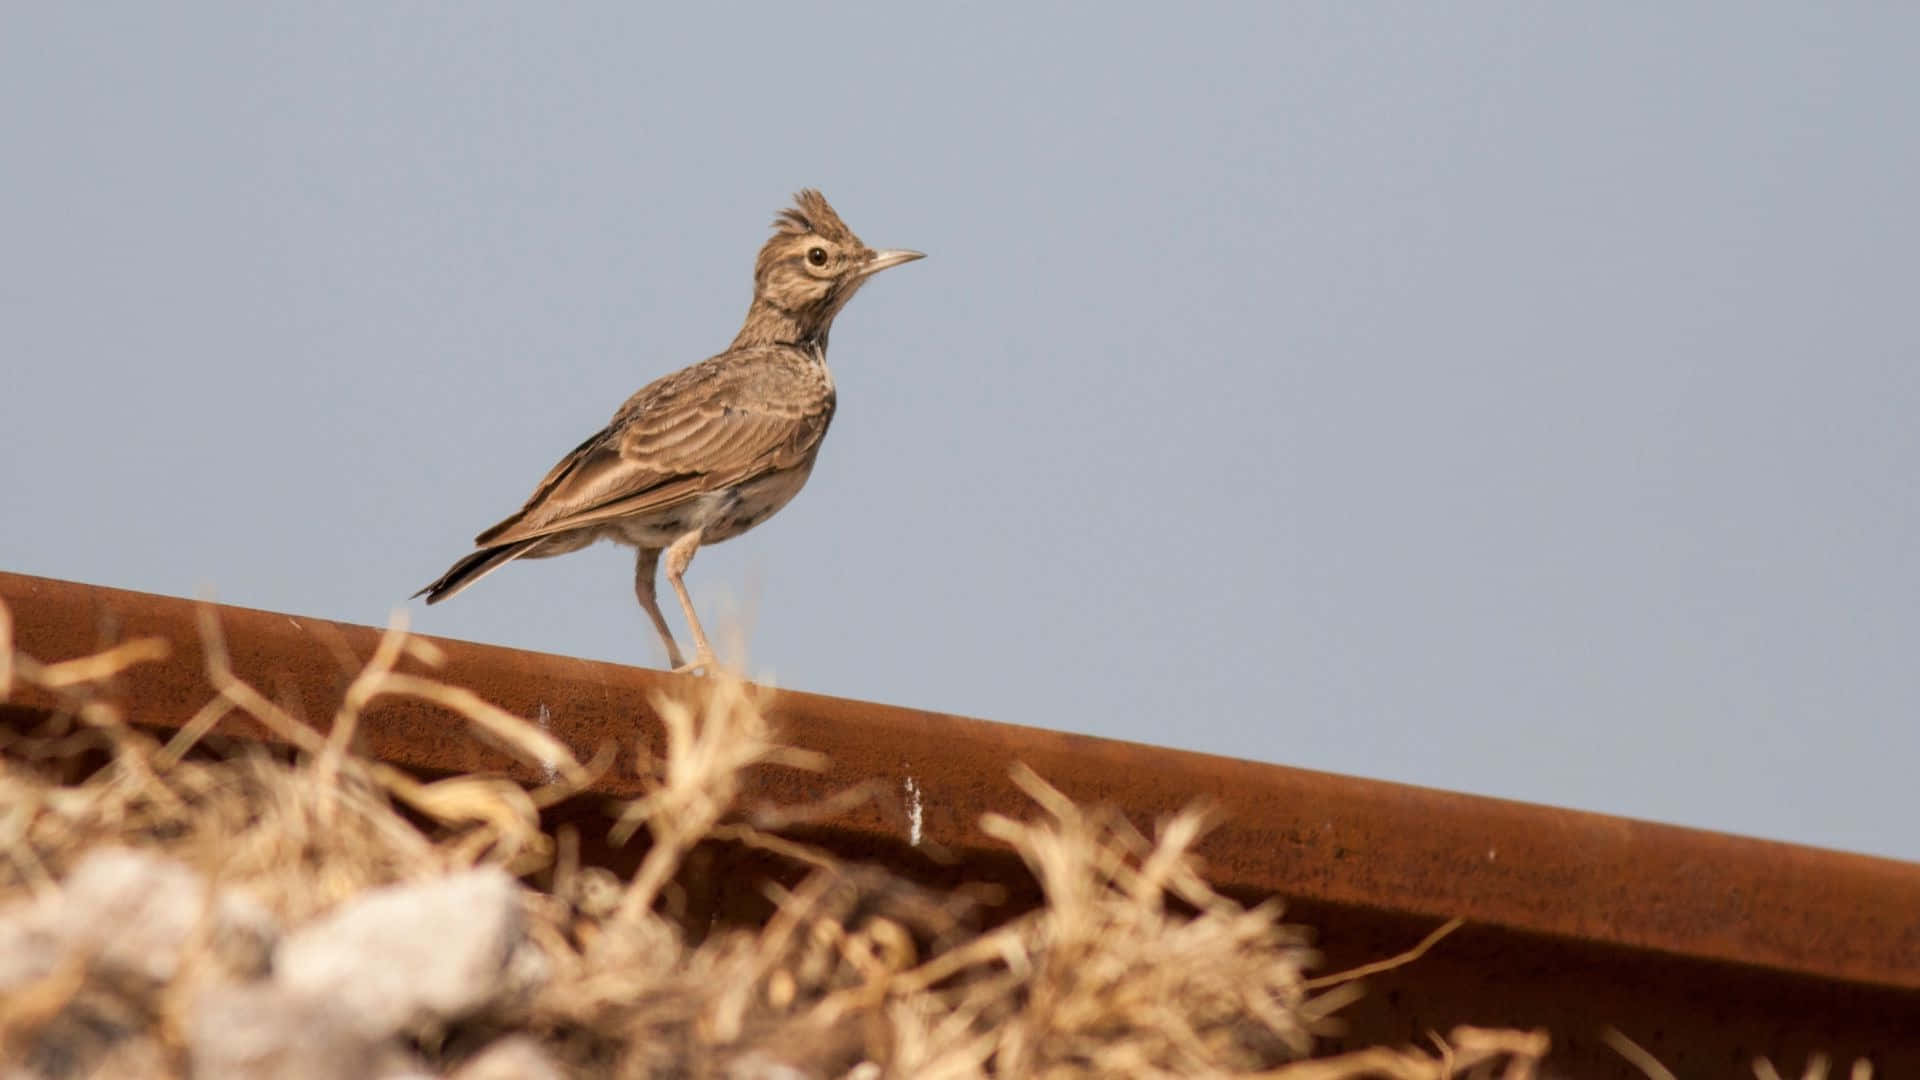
(407, 955)
(29, 949)
(136, 911)
(262, 1032)
(515, 1057)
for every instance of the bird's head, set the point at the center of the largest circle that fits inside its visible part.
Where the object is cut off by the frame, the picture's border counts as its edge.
(810, 268)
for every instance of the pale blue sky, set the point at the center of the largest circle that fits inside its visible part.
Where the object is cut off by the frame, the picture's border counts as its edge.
(1509, 398)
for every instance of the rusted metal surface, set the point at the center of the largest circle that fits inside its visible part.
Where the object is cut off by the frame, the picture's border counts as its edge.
(1703, 947)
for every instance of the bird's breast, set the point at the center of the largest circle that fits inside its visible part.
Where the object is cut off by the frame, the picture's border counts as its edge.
(720, 515)
(757, 500)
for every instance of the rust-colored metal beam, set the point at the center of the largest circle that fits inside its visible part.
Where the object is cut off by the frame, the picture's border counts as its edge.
(1706, 948)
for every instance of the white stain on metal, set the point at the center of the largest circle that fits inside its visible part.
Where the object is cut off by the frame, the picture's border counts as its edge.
(915, 813)
(550, 769)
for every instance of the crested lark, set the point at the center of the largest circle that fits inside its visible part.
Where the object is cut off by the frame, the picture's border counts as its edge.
(710, 451)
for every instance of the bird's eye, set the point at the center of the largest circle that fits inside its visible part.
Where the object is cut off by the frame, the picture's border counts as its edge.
(817, 256)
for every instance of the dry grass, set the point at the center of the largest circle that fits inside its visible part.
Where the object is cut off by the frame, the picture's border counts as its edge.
(1133, 967)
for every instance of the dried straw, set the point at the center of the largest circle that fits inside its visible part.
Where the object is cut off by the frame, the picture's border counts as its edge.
(1134, 966)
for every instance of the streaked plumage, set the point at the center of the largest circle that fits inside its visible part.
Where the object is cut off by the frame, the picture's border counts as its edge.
(708, 452)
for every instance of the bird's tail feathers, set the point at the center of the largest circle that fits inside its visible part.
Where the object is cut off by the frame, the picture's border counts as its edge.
(472, 569)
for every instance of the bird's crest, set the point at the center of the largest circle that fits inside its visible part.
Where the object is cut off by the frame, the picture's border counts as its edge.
(811, 214)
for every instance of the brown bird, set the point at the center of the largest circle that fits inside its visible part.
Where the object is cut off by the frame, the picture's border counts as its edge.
(710, 451)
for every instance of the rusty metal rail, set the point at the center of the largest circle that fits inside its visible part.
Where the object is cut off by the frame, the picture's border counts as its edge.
(1705, 948)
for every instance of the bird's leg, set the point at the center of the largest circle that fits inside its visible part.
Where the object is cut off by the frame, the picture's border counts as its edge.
(679, 557)
(643, 588)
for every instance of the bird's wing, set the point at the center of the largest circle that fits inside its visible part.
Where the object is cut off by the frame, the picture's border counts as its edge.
(702, 429)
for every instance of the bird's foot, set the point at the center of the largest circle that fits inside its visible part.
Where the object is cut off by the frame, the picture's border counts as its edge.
(704, 663)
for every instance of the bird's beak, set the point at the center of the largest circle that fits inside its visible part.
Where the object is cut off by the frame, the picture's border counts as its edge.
(884, 259)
